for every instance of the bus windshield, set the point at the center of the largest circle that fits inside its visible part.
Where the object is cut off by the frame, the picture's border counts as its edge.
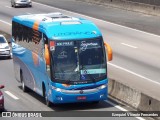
(79, 61)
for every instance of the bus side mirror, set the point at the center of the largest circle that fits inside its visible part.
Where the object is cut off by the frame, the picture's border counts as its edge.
(46, 54)
(109, 51)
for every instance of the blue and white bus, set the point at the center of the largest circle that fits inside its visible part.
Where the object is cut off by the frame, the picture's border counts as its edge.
(60, 57)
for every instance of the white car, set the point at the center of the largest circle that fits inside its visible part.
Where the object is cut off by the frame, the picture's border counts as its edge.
(5, 50)
(16, 3)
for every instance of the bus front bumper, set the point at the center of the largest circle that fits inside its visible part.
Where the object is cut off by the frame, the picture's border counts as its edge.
(69, 96)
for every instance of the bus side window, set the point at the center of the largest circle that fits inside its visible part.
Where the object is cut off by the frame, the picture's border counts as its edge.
(15, 30)
(20, 32)
(45, 40)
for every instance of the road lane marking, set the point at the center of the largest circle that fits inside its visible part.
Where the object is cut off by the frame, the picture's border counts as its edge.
(116, 66)
(11, 95)
(5, 22)
(99, 20)
(129, 45)
(29, 13)
(122, 109)
(8, 7)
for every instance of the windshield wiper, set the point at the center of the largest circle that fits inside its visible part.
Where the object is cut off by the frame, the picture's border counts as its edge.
(67, 81)
(64, 81)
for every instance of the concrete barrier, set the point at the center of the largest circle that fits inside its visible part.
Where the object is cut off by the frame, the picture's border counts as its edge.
(132, 97)
(124, 93)
(128, 5)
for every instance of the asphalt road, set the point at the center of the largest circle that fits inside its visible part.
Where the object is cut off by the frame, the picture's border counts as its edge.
(131, 19)
(136, 62)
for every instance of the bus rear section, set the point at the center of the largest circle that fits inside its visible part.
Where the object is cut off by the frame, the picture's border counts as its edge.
(70, 62)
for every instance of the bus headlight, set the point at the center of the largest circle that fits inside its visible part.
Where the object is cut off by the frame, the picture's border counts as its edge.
(103, 86)
(56, 89)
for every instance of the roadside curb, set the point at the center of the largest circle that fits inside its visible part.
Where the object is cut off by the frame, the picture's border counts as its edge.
(132, 97)
(128, 5)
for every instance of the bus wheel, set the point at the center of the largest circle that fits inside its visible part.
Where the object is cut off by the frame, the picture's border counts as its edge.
(47, 102)
(24, 88)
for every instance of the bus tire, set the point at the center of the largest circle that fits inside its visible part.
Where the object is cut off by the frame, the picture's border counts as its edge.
(47, 102)
(24, 88)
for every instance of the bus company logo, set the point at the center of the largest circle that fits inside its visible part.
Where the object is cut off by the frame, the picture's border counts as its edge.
(81, 92)
(73, 33)
(6, 114)
(84, 45)
(65, 43)
(62, 55)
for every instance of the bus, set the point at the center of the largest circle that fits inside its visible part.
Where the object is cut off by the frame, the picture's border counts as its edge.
(60, 57)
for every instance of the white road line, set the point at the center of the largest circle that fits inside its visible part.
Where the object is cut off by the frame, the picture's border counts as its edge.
(29, 13)
(116, 66)
(11, 95)
(8, 6)
(98, 19)
(5, 22)
(129, 45)
(122, 109)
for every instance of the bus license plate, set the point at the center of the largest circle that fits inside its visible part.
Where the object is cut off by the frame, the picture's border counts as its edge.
(81, 98)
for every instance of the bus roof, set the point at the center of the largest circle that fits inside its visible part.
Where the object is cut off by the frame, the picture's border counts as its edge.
(60, 27)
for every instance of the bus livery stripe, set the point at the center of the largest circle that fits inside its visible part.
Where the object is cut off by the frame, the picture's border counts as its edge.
(36, 25)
